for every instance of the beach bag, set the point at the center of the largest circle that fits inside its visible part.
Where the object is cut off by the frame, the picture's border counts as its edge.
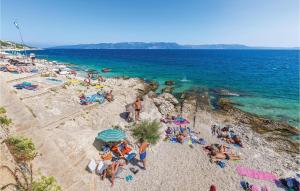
(221, 164)
(92, 166)
(101, 167)
(245, 185)
(202, 141)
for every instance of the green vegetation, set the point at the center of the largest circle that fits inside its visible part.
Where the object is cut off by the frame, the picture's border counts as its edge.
(148, 130)
(4, 120)
(13, 45)
(45, 183)
(24, 180)
(3, 43)
(2, 110)
(21, 148)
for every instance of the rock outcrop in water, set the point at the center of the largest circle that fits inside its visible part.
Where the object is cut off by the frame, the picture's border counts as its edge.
(279, 135)
(167, 90)
(166, 103)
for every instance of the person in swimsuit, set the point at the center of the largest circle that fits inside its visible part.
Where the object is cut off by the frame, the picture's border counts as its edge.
(109, 96)
(142, 151)
(100, 79)
(137, 107)
(110, 172)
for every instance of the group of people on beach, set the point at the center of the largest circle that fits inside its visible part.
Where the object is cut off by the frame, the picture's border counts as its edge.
(227, 134)
(118, 155)
(90, 76)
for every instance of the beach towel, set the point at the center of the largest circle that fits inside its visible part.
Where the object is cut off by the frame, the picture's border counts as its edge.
(256, 174)
(26, 85)
(54, 80)
(99, 86)
(93, 98)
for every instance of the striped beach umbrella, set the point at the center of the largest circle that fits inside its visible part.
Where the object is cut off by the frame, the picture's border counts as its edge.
(111, 135)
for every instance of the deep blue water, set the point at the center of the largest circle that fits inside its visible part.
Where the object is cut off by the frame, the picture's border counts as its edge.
(268, 80)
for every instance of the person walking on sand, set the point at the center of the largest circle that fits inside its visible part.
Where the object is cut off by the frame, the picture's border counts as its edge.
(137, 107)
(143, 151)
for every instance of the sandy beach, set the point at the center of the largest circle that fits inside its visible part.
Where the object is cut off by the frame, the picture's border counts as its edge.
(64, 134)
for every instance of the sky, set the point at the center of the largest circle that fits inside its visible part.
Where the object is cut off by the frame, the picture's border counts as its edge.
(272, 23)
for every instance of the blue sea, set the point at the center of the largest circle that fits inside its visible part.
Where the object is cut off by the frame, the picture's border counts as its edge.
(266, 80)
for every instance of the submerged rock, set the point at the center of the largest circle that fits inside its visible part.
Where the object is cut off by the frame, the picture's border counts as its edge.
(170, 83)
(224, 92)
(167, 90)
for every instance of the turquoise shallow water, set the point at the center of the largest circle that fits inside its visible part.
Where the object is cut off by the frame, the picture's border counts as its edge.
(267, 80)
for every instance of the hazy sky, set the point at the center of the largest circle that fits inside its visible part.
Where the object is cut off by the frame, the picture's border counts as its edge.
(56, 22)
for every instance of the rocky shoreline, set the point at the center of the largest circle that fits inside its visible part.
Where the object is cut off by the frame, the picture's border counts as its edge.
(64, 131)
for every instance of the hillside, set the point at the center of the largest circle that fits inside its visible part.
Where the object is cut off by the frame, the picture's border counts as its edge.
(13, 45)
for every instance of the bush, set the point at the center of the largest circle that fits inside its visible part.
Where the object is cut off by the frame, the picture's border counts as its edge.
(45, 183)
(2, 110)
(5, 121)
(21, 148)
(148, 130)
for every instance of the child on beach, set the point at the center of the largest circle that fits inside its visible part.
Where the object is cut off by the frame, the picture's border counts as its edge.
(142, 151)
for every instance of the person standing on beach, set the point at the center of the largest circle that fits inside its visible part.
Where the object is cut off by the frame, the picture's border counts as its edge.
(143, 151)
(137, 107)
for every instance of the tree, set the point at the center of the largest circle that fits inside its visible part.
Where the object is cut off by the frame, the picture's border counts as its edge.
(23, 150)
(148, 130)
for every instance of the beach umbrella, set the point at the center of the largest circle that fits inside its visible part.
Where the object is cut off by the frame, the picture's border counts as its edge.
(111, 135)
(181, 121)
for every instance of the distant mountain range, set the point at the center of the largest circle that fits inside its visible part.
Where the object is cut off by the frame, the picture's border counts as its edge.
(159, 45)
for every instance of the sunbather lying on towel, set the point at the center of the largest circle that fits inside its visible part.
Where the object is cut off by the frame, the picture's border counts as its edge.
(217, 156)
(167, 119)
(110, 172)
(181, 137)
(234, 139)
(82, 97)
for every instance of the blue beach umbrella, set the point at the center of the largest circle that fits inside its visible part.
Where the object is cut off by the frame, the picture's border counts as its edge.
(111, 135)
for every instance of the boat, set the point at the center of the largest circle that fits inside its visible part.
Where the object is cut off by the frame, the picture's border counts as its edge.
(106, 70)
